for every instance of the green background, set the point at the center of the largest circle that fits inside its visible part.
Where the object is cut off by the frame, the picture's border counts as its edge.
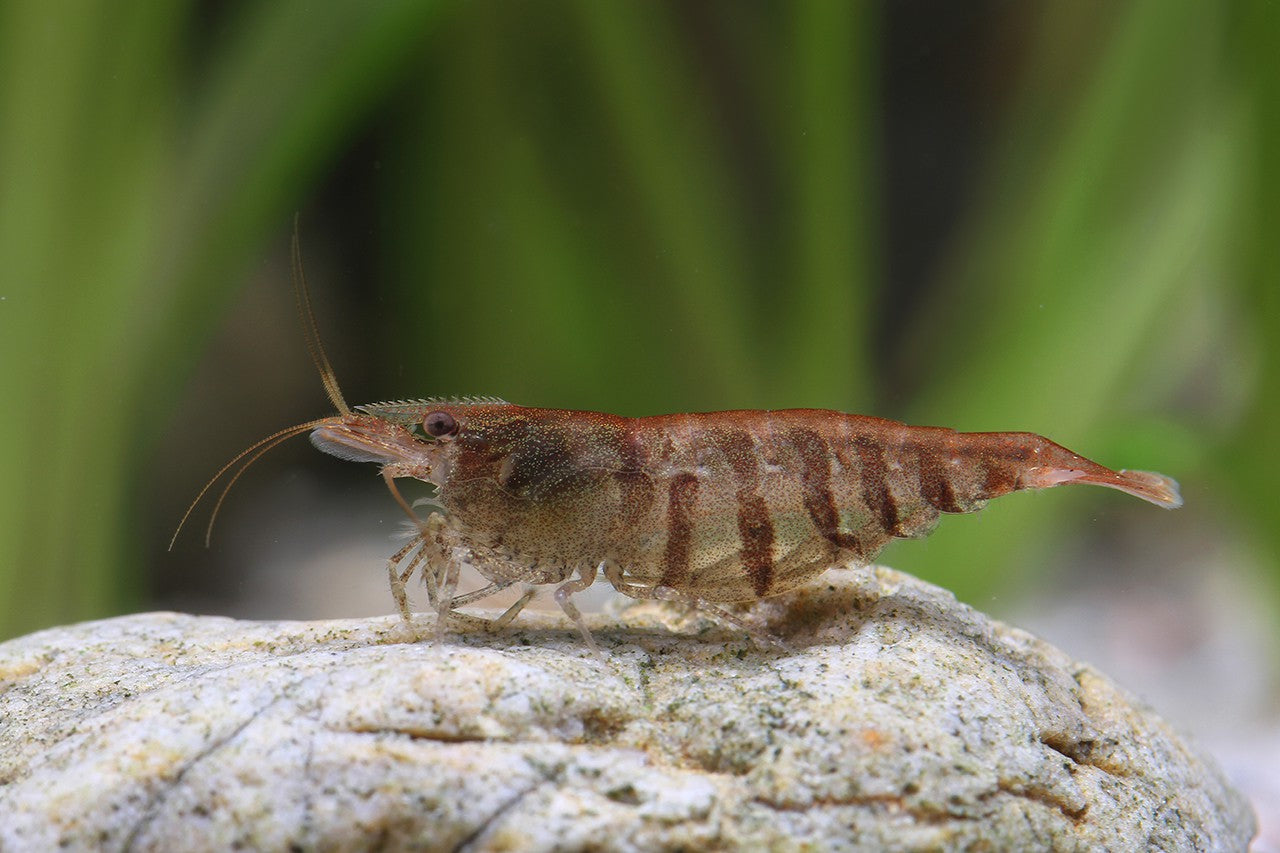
(1052, 217)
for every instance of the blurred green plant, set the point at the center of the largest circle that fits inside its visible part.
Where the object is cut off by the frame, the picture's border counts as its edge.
(639, 207)
(132, 190)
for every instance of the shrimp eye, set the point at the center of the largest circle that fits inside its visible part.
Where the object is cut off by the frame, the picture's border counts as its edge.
(440, 424)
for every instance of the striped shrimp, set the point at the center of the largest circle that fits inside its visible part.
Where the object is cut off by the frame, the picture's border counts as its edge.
(707, 509)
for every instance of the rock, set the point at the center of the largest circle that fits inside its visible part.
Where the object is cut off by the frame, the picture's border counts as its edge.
(896, 718)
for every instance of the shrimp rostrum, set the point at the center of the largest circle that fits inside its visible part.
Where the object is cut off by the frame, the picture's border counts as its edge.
(708, 508)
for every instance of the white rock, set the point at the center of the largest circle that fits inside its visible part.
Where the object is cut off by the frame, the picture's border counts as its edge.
(897, 719)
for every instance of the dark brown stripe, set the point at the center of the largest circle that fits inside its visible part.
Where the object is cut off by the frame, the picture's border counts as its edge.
(675, 561)
(816, 482)
(935, 483)
(636, 485)
(756, 531)
(875, 482)
(740, 451)
(755, 527)
(997, 479)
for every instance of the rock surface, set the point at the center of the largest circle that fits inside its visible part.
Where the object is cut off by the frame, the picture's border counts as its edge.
(895, 719)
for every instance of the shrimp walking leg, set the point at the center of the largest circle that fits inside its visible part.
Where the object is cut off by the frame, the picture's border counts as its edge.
(399, 579)
(563, 595)
(615, 576)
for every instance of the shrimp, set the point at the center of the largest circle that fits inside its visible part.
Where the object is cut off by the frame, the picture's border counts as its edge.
(717, 507)
(703, 508)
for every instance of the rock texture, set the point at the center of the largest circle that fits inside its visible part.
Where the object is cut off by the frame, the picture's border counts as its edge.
(895, 719)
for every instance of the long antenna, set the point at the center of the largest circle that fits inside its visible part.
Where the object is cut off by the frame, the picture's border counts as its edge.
(312, 331)
(257, 449)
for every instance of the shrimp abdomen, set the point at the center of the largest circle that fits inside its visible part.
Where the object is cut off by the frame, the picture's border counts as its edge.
(751, 503)
(731, 506)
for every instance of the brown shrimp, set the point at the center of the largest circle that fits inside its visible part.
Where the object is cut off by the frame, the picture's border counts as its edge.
(715, 507)
(704, 508)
